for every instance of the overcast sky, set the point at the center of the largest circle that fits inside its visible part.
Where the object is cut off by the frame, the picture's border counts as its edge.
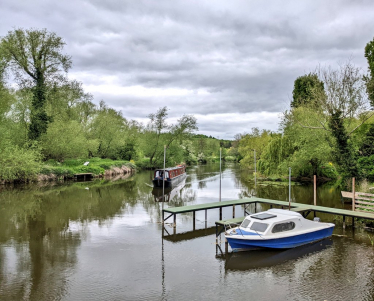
(231, 64)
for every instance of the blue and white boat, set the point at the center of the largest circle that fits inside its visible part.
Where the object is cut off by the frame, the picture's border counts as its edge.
(276, 229)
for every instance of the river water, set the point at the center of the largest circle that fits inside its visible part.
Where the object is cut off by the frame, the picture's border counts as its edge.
(103, 240)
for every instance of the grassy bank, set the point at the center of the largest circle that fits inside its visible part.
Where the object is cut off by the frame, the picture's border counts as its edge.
(96, 166)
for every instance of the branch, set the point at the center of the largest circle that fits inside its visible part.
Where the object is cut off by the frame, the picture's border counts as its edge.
(361, 124)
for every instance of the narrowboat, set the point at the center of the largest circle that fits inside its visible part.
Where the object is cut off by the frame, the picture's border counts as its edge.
(173, 176)
(276, 229)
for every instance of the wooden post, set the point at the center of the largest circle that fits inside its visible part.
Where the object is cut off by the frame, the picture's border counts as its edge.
(255, 207)
(175, 220)
(226, 246)
(206, 213)
(233, 211)
(353, 194)
(194, 220)
(220, 213)
(343, 221)
(315, 190)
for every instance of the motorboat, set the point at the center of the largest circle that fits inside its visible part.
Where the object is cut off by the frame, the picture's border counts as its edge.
(276, 229)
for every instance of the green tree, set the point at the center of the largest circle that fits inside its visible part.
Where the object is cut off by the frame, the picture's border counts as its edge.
(36, 60)
(158, 133)
(256, 140)
(369, 54)
(304, 90)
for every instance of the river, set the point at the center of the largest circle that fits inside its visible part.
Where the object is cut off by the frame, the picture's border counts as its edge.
(103, 240)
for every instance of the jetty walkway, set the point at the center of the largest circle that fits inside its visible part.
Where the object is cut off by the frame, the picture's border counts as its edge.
(304, 209)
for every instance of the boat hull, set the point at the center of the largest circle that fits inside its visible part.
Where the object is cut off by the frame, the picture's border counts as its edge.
(241, 244)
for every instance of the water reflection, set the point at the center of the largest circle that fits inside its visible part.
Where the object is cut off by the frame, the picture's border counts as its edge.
(102, 240)
(167, 194)
(242, 261)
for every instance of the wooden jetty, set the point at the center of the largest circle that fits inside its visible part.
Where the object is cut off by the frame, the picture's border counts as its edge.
(304, 209)
(83, 176)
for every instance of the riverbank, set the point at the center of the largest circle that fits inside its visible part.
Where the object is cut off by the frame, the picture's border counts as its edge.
(52, 170)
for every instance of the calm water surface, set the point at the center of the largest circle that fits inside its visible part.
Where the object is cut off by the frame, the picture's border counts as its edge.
(103, 240)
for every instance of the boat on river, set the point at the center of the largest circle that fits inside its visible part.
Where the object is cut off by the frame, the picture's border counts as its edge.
(276, 229)
(173, 176)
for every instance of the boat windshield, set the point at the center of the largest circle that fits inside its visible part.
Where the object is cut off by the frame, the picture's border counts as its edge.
(260, 227)
(245, 223)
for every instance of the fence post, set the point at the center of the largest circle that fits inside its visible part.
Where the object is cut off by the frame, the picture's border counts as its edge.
(353, 194)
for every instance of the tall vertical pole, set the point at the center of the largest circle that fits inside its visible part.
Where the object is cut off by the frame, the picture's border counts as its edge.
(163, 180)
(255, 168)
(220, 150)
(315, 190)
(289, 189)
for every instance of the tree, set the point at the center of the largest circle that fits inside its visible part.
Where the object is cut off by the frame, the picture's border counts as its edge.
(36, 60)
(339, 106)
(158, 133)
(369, 54)
(304, 90)
(256, 140)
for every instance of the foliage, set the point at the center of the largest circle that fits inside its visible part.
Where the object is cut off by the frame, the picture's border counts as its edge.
(66, 140)
(35, 58)
(18, 163)
(255, 141)
(369, 80)
(158, 134)
(304, 90)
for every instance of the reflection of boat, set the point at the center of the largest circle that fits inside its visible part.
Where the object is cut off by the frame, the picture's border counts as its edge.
(270, 257)
(173, 176)
(276, 228)
(169, 192)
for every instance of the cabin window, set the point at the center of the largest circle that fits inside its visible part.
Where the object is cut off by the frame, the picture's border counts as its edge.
(245, 223)
(260, 227)
(283, 227)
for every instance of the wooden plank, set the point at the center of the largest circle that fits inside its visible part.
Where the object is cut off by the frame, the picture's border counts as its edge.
(365, 203)
(365, 207)
(357, 210)
(233, 221)
(366, 194)
(214, 205)
(363, 198)
(346, 194)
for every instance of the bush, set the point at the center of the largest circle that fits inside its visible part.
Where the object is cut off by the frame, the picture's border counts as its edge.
(19, 163)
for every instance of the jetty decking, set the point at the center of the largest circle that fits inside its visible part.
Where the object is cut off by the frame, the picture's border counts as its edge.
(304, 209)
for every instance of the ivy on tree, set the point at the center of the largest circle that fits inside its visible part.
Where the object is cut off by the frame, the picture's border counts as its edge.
(36, 60)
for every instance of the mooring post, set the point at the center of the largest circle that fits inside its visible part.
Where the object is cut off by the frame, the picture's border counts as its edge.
(315, 192)
(343, 221)
(193, 220)
(233, 211)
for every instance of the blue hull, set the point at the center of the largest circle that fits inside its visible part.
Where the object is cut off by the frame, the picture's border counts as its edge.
(278, 243)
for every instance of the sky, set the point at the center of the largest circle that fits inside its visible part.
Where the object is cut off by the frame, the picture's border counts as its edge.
(231, 64)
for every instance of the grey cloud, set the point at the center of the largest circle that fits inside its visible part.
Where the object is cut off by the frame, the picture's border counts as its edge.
(246, 54)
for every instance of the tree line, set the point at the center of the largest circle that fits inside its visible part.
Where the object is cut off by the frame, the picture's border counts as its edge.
(328, 130)
(45, 116)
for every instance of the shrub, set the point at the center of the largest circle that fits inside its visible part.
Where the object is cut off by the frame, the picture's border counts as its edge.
(19, 163)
